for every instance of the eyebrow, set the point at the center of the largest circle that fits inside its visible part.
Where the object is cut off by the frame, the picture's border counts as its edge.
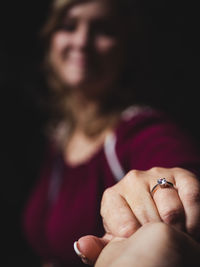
(100, 19)
(69, 15)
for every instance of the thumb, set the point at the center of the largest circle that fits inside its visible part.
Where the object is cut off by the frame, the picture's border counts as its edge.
(89, 247)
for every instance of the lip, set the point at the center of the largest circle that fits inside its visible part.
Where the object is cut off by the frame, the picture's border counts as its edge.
(78, 60)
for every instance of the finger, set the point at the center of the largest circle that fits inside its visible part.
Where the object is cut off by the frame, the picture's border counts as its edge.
(89, 247)
(189, 193)
(169, 205)
(118, 218)
(116, 249)
(139, 198)
(144, 208)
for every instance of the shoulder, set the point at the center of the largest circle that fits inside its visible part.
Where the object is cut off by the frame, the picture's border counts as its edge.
(137, 120)
(152, 138)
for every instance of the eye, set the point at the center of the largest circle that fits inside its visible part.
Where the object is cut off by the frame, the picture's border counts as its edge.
(68, 25)
(105, 28)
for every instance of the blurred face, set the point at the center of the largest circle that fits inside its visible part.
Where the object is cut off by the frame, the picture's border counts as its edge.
(86, 52)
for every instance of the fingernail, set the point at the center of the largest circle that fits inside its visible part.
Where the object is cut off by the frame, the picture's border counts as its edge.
(77, 250)
(83, 258)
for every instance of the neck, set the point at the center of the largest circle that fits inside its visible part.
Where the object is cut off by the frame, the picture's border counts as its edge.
(83, 109)
(88, 118)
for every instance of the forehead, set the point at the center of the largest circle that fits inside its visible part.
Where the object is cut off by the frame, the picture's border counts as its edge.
(92, 10)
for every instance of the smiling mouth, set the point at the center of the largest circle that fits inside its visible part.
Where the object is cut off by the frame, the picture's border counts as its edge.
(79, 62)
(78, 59)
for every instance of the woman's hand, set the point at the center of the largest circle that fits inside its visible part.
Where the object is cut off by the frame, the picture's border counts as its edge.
(129, 204)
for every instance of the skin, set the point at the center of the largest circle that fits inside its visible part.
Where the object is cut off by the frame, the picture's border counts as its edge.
(164, 246)
(82, 53)
(178, 206)
(129, 206)
(86, 48)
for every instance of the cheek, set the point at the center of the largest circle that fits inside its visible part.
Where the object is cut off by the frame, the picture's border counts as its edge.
(59, 43)
(111, 53)
(106, 45)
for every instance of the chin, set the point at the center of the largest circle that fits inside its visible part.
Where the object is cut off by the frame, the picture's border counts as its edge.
(78, 81)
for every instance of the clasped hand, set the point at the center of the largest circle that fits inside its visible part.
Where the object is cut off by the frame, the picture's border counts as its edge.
(129, 204)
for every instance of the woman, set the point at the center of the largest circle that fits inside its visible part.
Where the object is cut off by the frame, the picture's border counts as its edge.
(96, 134)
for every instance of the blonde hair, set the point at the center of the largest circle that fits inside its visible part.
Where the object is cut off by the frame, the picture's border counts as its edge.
(60, 101)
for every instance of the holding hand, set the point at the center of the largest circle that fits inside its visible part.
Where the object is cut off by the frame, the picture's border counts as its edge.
(131, 203)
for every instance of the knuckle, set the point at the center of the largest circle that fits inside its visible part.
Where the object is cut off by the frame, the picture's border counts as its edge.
(192, 196)
(156, 169)
(132, 175)
(180, 170)
(172, 216)
(108, 193)
(106, 198)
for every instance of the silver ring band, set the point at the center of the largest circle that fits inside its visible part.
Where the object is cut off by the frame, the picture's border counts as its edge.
(162, 182)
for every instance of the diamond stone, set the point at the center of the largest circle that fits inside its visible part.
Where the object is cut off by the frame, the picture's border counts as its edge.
(162, 181)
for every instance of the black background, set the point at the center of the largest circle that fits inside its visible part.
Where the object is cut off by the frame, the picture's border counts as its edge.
(174, 50)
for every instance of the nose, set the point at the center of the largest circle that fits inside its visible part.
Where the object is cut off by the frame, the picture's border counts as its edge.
(82, 36)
